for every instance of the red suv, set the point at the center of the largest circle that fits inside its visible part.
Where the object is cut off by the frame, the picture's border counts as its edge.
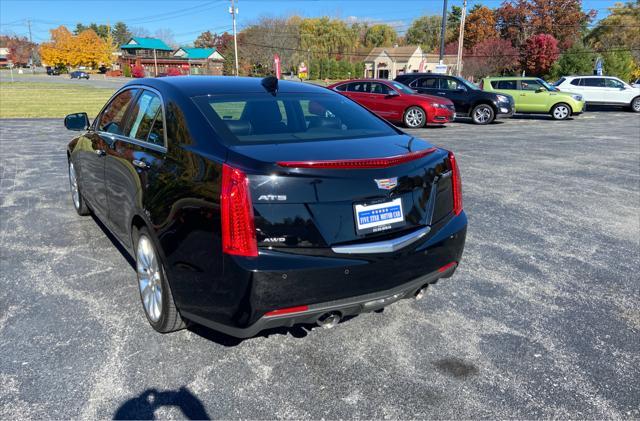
(397, 103)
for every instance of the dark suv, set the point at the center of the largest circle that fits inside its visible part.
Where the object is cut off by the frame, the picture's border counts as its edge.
(469, 100)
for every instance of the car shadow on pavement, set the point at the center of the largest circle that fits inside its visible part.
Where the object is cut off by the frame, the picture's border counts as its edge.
(115, 242)
(537, 117)
(297, 331)
(468, 120)
(143, 407)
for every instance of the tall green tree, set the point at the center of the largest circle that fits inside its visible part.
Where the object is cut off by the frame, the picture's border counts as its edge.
(619, 30)
(425, 31)
(120, 33)
(380, 35)
(619, 63)
(577, 60)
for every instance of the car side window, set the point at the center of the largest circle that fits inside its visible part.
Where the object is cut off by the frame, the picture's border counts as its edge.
(505, 84)
(379, 88)
(612, 83)
(144, 115)
(427, 83)
(342, 87)
(358, 87)
(530, 85)
(577, 82)
(450, 84)
(112, 118)
(594, 82)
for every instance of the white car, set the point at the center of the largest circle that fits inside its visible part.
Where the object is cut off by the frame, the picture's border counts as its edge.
(602, 90)
(636, 83)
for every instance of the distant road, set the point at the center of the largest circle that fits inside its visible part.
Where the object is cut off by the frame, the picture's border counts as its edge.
(96, 81)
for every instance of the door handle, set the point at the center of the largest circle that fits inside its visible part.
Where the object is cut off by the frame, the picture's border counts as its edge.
(441, 93)
(100, 152)
(140, 164)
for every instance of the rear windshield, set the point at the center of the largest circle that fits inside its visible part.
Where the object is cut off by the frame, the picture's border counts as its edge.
(291, 117)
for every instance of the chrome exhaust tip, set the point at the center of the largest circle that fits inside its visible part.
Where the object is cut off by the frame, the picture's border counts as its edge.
(329, 320)
(420, 293)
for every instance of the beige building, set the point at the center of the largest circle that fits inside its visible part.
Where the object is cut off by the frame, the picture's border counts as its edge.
(389, 62)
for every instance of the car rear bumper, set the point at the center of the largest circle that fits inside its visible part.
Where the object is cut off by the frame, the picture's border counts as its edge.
(344, 307)
(326, 282)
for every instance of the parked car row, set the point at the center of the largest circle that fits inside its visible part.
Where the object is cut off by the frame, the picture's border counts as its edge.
(420, 99)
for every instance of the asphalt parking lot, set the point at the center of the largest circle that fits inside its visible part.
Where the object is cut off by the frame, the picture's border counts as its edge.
(542, 319)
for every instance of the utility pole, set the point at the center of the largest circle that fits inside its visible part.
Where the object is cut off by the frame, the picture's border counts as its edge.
(443, 30)
(461, 38)
(155, 61)
(31, 42)
(234, 12)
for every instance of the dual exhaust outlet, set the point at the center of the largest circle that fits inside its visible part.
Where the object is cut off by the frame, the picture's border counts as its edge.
(332, 318)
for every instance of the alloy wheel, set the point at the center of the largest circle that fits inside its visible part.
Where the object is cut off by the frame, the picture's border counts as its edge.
(482, 115)
(414, 117)
(149, 278)
(636, 105)
(73, 185)
(561, 112)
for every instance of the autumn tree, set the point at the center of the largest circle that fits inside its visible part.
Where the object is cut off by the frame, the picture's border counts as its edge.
(380, 35)
(479, 26)
(518, 20)
(493, 56)
(539, 52)
(619, 30)
(20, 49)
(86, 48)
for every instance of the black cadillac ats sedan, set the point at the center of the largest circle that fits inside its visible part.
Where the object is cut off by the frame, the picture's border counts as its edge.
(250, 204)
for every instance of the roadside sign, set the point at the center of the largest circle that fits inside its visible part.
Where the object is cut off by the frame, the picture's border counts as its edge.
(598, 67)
(303, 72)
(440, 68)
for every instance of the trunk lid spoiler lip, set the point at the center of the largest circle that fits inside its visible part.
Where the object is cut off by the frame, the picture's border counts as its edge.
(360, 163)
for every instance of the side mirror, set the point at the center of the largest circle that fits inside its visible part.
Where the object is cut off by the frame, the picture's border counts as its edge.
(541, 90)
(77, 121)
(392, 93)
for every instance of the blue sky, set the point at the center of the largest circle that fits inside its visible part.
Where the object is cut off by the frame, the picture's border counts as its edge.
(186, 19)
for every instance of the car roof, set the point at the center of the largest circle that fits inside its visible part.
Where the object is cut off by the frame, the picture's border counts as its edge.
(511, 78)
(192, 86)
(589, 76)
(425, 74)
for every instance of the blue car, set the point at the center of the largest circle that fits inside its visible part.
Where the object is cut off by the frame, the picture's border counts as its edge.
(250, 204)
(79, 74)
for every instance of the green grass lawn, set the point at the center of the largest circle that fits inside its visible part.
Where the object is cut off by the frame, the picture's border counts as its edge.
(28, 99)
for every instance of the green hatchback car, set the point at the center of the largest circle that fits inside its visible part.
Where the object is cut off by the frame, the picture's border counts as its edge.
(534, 95)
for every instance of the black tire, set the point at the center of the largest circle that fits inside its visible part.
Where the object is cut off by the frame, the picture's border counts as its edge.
(78, 201)
(561, 111)
(169, 319)
(635, 105)
(414, 117)
(483, 114)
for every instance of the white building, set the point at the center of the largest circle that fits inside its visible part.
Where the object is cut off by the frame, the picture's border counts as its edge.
(389, 62)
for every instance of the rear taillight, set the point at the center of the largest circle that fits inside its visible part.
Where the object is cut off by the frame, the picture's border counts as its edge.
(236, 214)
(456, 183)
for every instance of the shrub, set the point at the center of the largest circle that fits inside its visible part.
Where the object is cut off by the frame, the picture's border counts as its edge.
(173, 71)
(137, 71)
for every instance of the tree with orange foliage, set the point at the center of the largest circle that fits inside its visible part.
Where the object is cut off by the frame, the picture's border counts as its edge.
(84, 49)
(480, 25)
